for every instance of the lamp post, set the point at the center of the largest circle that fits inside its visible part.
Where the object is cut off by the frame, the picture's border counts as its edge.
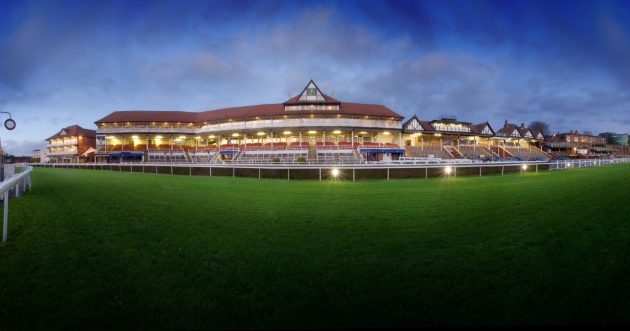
(9, 125)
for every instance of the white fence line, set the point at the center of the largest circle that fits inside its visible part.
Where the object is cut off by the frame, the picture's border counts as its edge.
(13, 180)
(568, 164)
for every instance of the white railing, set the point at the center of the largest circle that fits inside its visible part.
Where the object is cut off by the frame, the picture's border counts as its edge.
(569, 164)
(13, 180)
(147, 130)
(62, 143)
(63, 152)
(300, 122)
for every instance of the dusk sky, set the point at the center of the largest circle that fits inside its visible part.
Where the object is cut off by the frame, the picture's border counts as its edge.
(563, 62)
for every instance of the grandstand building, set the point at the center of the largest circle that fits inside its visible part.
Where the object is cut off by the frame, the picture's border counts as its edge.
(449, 138)
(311, 126)
(70, 145)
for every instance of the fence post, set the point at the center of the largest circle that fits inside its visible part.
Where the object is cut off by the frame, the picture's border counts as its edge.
(6, 217)
(502, 168)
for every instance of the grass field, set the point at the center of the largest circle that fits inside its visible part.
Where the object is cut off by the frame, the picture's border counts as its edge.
(98, 249)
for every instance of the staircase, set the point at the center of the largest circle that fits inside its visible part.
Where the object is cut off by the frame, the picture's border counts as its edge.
(214, 157)
(452, 150)
(545, 154)
(187, 156)
(504, 152)
(407, 152)
(312, 152)
(449, 150)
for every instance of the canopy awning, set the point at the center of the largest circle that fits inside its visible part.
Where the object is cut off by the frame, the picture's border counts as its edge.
(228, 152)
(381, 150)
(126, 154)
(90, 150)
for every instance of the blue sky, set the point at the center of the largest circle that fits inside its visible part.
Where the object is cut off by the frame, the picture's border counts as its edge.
(562, 62)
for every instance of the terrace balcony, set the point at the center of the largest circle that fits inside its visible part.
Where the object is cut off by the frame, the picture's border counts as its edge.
(72, 151)
(118, 130)
(67, 142)
(301, 122)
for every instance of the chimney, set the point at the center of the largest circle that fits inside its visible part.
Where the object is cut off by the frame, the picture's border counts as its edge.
(576, 132)
(522, 125)
(505, 125)
(571, 132)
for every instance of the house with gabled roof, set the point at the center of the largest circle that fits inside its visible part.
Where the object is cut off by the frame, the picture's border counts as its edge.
(445, 137)
(513, 140)
(71, 145)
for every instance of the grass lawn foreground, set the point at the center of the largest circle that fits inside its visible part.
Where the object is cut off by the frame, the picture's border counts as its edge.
(91, 249)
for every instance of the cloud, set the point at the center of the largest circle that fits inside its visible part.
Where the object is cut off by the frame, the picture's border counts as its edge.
(21, 148)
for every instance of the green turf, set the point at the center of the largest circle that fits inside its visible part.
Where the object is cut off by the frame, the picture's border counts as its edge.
(99, 249)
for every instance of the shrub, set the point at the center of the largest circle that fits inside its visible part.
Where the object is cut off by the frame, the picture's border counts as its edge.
(275, 160)
(301, 159)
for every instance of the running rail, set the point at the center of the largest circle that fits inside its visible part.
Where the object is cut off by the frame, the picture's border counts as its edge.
(6, 186)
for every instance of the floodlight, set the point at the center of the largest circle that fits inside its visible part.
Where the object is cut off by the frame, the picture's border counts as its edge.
(524, 166)
(448, 170)
(335, 172)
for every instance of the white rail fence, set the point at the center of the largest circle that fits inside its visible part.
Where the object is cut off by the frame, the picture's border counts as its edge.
(16, 176)
(569, 164)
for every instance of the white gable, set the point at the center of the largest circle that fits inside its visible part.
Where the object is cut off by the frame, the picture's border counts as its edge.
(311, 93)
(63, 133)
(414, 125)
(486, 130)
(540, 136)
(529, 134)
(515, 133)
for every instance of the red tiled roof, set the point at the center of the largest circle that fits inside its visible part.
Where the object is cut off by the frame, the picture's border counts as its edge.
(74, 130)
(345, 108)
(426, 125)
(149, 116)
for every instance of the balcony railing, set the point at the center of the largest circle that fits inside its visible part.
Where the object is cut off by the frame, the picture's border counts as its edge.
(146, 130)
(301, 122)
(62, 143)
(63, 152)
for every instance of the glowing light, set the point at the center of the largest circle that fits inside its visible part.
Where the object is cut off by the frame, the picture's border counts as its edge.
(311, 132)
(134, 137)
(260, 133)
(448, 170)
(158, 137)
(524, 166)
(197, 137)
(211, 136)
(234, 134)
(386, 133)
(287, 132)
(363, 132)
(182, 137)
(335, 172)
(336, 131)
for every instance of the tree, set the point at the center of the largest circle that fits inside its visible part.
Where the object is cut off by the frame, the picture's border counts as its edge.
(540, 125)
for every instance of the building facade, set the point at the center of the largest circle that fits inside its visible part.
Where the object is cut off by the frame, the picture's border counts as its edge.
(70, 145)
(40, 155)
